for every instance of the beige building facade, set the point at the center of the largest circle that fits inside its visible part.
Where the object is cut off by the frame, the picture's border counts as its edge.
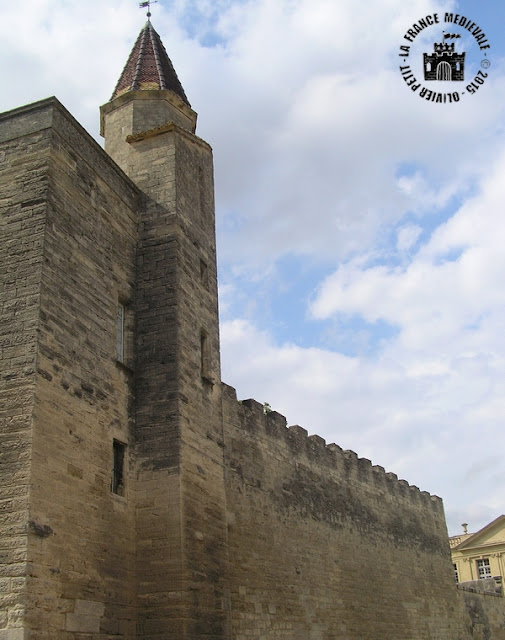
(480, 555)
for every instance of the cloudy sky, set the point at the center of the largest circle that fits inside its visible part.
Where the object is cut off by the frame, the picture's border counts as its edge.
(361, 228)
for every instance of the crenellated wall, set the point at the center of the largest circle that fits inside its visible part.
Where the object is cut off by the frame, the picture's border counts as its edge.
(325, 545)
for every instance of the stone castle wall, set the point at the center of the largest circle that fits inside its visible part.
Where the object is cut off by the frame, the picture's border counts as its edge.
(79, 243)
(485, 615)
(324, 545)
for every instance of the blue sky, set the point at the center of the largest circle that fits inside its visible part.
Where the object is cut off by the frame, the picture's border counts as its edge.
(359, 227)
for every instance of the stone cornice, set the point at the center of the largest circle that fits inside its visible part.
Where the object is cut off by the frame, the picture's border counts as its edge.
(167, 128)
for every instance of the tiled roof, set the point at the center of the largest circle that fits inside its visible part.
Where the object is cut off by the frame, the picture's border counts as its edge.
(149, 67)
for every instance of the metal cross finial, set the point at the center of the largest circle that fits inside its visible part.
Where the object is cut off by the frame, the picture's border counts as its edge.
(147, 4)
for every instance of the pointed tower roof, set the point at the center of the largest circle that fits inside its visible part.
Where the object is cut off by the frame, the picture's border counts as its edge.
(149, 67)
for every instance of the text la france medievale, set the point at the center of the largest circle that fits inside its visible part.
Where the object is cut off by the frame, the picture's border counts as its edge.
(429, 21)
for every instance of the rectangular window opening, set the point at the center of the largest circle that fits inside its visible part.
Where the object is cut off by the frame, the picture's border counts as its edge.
(120, 333)
(118, 469)
(456, 575)
(204, 354)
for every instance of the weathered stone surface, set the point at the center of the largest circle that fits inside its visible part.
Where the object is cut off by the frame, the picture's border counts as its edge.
(24, 188)
(69, 257)
(485, 615)
(14, 634)
(358, 554)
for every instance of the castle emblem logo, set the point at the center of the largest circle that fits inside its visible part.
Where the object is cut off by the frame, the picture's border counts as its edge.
(446, 65)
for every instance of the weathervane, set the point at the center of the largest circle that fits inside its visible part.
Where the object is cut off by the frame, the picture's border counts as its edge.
(147, 4)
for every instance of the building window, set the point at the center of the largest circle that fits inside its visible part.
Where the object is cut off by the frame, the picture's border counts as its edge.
(483, 568)
(456, 576)
(120, 333)
(118, 468)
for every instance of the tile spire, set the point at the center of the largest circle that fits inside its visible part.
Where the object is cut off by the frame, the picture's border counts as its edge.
(149, 67)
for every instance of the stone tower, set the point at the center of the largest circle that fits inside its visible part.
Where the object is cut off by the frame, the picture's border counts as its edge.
(149, 130)
(112, 498)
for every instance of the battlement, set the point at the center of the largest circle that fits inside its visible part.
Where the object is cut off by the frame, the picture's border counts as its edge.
(316, 452)
(443, 47)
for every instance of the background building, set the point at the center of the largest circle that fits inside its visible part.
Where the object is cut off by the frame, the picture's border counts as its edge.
(480, 557)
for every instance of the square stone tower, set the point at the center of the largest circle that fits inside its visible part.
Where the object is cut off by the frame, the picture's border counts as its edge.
(112, 497)
(180, 497)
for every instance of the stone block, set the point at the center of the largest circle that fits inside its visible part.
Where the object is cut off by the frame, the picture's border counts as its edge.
(14, 634)
(89, 608)
(82, 623)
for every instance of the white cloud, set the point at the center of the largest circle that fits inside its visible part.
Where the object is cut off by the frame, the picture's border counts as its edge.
(451, 283)
(407, 236)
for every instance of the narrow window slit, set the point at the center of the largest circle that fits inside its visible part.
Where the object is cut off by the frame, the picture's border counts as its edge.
(204, 354)
(118, 469)
(120, 333)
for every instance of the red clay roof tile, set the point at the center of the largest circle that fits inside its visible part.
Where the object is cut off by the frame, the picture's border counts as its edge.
(149, 67)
